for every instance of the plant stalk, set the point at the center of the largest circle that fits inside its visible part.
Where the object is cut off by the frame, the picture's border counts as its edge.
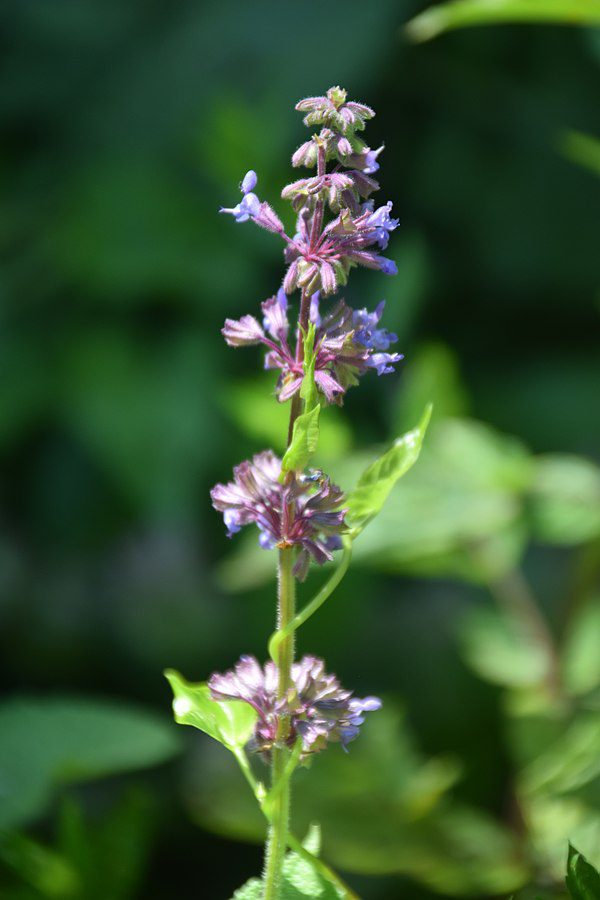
(278, 830)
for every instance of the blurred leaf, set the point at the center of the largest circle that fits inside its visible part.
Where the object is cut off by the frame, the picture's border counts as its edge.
(251, 407)
(582, 149)
(383, 809)
(90, 862)
(45, 870)
(565, 499)
(432, 377)
(143, 411)
(581, 656)
(501, 651)
(459, 512)
(231, 722)
(570, 762)
(583, 881)
(46, 743)
(375, 484)
(552, 821)
(465, 13)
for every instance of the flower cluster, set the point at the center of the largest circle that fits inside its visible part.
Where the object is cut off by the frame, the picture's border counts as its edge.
(347, 344)
(304, 512)
(319, 709)
(320, 258)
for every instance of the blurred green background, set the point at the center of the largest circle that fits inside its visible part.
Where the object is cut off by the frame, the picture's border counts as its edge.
(124, 127)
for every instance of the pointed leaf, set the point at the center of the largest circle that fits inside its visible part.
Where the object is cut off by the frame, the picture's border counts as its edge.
(583, 881)
(376, 482)
(305, 438)
(231, 722)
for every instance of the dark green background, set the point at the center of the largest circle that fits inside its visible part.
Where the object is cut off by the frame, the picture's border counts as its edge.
(124, 127)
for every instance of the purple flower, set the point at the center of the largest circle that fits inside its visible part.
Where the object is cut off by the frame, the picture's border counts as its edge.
(384, 362)
(367, 332)
(387, 266)
(303, 513)
(320, 710)
(249, 206)
(370, 160)
(347, 343)
(382, 224)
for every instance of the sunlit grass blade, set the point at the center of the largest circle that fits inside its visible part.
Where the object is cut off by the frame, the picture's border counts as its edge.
(466, 13)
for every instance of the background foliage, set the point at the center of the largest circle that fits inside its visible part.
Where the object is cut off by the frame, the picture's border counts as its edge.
(125, 125)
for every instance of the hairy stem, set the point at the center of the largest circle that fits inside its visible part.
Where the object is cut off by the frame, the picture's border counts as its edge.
(313, 605)
(280, 814)
(303, 322)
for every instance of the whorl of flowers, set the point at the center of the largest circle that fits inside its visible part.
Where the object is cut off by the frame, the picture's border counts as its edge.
(304, 511)
(319, 709)
(347, 344)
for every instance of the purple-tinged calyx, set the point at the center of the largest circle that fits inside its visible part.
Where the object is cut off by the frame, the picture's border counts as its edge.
(320, 711)
(351, 238)
(303, 513)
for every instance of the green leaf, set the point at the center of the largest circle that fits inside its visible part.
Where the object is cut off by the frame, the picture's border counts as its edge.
(582, 149)
(300, 881)
(583, 881)
(501, 651)
(581, 658)
(305, 435)
(305, 438)
(375, 484)
(465, 13)
(252, 890)
(383, 809)
(249, 404)
(308, 390)
(564, 500)
(56, 741)
(231, 722)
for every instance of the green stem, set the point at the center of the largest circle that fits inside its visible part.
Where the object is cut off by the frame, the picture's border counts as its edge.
(280, 811)
(313, 605)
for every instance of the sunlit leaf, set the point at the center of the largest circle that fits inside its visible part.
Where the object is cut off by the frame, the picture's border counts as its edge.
(250, 405)
(231, 722)
(464, 13)
(54, 741)
(564, 501)
(583, 881)
(582, 149)
(375, 484)
(305, 438)
(502, 652)
(581, 654)
(570, 762)
(300, 879)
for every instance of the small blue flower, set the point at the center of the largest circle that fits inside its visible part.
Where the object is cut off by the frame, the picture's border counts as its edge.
(367, 333)
(384, 363)
(231, 518)
(387, 266)
(249, 206)
(370, 161)
(382, 224)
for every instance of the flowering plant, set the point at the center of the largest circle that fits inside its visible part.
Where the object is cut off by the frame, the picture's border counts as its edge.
(287, 711)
